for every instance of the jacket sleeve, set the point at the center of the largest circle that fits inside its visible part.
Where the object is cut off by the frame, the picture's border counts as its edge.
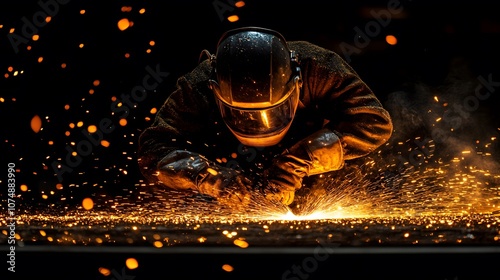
(163, 155)
(355, 121)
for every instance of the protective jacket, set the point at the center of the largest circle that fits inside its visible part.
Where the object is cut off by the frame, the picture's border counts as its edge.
(338, 119)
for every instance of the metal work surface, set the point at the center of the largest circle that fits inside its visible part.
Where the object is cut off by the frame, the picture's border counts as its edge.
(98, 247)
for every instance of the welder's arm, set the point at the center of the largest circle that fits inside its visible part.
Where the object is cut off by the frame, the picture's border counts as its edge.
(355, 122)
(318, 153)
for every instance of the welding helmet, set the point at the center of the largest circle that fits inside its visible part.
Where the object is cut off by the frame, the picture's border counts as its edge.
(256, 82)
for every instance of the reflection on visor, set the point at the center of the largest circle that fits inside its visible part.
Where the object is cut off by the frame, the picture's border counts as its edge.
(260, 122)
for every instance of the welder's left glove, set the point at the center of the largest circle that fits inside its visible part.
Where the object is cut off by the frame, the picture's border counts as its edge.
(183, 170)
(318, 153)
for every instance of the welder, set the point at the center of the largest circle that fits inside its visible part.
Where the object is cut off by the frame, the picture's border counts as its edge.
(261, 114)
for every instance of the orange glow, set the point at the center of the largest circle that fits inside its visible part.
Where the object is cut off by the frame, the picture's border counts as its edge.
(48, 19)
(233, 18)
(142, 11)
(6, 75)
(81, 46)
(151, 43)
(153, 111)
(82, 12)
(212, 171)
(126, 9)
(123, 24)
(36, 123)
(123, 122)
(79, 124)
(105, 143)
(10, 68)
(87, 203)
(40, 59)
(12, 30)
(35, 37)
(391, 40)
(158, 244)
(59, 186)
(66, 107)
(132, 263)
(63, 65)
(24, 188)
(202, 239)
(227, 268)
(127, 55)
(96, 82)
(104, 271)
(241, 243)
(239, 4)
(92, 129)
(51, 143)
(91, 91)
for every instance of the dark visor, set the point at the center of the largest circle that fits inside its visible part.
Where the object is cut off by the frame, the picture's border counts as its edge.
(260, 122)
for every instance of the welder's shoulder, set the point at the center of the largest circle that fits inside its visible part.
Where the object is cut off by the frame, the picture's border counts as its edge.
(320, 58)
(305, 47)
(200, 74)
(194, 81)
(309, 51)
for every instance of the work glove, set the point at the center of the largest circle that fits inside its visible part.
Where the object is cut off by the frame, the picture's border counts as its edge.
(318, 153)
(228, 186)
(184, 170)
(284, 177)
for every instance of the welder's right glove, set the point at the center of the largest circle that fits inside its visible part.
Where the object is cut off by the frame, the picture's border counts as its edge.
(283, 178)
(183, 170)
(318, 153)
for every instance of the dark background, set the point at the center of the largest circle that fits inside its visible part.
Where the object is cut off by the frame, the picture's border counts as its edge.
(434, 41)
